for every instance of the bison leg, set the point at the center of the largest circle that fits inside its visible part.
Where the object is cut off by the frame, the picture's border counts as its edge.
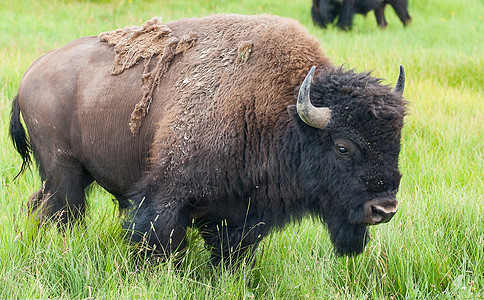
(159, 226)
(345, 19)
(232, 244)
(61, 197)
(36, 198)
(380, 15)
(401, 9)
(62, 194)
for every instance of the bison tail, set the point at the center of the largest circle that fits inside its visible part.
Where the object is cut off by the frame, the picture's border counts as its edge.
(19, 136)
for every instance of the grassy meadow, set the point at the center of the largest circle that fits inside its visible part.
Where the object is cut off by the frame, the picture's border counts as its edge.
(432, 249)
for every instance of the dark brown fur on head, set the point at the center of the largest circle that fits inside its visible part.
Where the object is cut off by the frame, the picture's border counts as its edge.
(371, 116)
(356, 92)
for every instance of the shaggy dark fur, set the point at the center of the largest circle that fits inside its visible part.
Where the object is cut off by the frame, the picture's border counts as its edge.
(323, 184)
(223, 147)
(324, 12)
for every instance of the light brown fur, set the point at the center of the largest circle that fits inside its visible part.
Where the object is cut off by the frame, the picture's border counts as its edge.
(132, 44)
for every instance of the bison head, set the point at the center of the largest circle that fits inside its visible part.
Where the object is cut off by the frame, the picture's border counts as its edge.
(350, 127)
(325, 12)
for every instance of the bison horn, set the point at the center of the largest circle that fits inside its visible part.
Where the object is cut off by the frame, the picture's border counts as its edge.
(317, 117)
(400, 85)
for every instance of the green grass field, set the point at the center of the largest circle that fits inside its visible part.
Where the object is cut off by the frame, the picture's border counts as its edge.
(432, 249)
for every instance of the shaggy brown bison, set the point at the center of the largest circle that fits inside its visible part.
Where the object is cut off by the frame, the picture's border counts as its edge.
(324, 12)
(221, 123)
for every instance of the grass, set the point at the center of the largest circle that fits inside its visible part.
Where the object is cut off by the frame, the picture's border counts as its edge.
(432, 249)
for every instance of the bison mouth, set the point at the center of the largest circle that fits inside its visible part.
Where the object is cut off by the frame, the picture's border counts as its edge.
(373, 212)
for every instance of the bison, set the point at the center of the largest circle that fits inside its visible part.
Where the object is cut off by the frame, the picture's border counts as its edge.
(233, 124)
(324, 12)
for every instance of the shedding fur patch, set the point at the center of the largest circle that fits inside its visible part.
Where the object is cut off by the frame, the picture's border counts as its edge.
(153, 40)
(243, 51)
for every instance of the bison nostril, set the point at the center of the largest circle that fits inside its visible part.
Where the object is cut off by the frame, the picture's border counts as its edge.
(379, 215)
(379, 210)
(374, 211)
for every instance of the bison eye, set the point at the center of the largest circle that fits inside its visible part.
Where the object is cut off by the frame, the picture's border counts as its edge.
(345, 148)
(342, 150)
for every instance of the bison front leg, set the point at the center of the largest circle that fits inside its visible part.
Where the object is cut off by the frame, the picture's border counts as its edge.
(345, 19)
(380, 15)
(158, 227)
(231, 244)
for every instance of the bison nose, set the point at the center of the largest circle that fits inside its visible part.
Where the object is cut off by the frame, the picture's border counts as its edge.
(380, 210)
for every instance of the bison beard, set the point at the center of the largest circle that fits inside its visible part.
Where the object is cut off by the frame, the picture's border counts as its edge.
(347, 238)
(250, 127)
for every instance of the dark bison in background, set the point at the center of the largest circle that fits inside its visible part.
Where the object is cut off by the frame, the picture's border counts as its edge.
(221, 123)
(324, 12)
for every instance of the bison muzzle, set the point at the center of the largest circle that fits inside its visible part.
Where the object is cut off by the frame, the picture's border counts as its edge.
(234, 124)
